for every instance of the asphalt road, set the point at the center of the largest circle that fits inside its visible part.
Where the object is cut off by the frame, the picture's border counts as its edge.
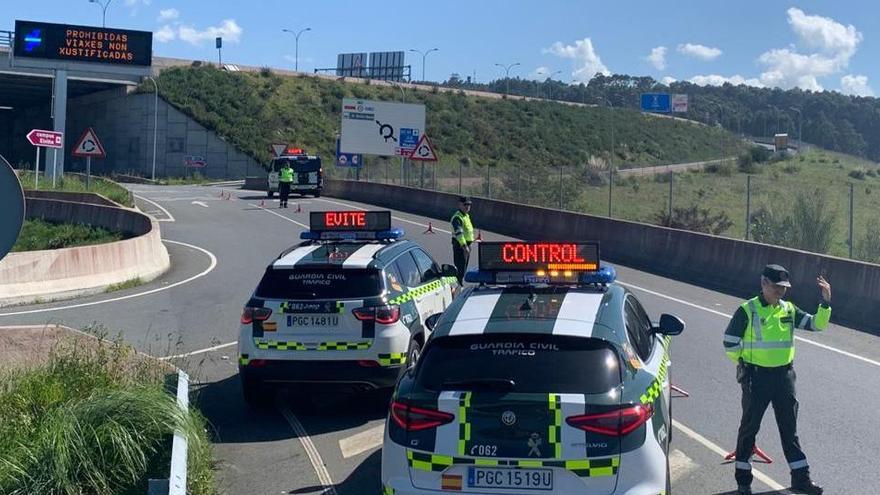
(329, 443)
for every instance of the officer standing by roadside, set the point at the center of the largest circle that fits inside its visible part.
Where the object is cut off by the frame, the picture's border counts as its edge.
(462, 236)
(760, 339)
(285, 179)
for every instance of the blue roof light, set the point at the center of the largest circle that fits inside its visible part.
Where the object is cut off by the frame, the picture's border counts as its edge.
(604, 275)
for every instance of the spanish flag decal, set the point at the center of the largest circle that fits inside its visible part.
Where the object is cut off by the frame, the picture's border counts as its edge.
(451, 482)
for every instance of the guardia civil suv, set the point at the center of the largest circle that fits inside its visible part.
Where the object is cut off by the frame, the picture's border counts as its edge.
(346, 306)
(547, 377)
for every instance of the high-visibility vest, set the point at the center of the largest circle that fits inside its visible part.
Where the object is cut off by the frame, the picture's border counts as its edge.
(463, 233)
(769, 337)
(286, 175)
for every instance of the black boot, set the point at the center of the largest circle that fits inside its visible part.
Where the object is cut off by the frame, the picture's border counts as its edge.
(806, 485)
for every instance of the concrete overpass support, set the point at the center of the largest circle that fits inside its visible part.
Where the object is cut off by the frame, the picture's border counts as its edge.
(59, 121)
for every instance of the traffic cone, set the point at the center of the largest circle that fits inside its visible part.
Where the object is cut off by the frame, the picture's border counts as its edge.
(298, 208)
(430, 229)
(262, 203)
(679, 390)
(755, 451)
(479, 236)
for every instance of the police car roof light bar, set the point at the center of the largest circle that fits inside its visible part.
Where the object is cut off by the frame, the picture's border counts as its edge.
(601, 277)
(356, 235)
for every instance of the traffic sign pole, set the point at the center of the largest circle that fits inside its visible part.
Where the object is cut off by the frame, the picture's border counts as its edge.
(54, 166)
(37, 169)
(88, 172)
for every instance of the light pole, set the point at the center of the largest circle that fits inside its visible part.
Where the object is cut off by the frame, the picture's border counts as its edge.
(507, 74)
(550, 78)
(610, 158)
(800, 127)
(155, 123)
(296, 34)
(103, 6)
(424, 55)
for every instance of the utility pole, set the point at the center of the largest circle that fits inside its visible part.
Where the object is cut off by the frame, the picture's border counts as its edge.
(800, 128)
(155, 123)
(507, 75)
(296, 34)
(611, 157)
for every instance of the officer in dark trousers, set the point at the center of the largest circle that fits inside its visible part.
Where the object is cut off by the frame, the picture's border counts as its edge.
(285, 179)
(462, 236)
(760, 339)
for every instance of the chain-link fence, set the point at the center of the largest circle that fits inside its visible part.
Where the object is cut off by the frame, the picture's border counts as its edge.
(777, 205)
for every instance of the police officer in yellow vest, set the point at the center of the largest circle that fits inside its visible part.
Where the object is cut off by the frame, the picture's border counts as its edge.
(462, 236)
(285, 179)
(760, 339)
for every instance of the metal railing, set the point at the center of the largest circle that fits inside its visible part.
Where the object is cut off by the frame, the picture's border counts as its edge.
(6, 38)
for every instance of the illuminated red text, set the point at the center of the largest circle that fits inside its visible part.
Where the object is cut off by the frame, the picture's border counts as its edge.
(345, 219)
(540, 253)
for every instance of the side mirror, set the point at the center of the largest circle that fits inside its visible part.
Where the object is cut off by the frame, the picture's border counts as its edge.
(449, 271)
(432, 320)
(669, 325)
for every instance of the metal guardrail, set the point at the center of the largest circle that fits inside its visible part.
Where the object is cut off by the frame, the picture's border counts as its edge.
(6, 38)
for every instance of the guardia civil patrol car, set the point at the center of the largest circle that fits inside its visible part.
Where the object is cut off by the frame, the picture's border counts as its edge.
(346, 306)
(547, 377)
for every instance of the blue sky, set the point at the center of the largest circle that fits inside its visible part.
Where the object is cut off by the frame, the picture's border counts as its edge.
(808, 44)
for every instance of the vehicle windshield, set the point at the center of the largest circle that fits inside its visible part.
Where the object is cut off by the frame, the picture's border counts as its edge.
(533, 363)
(319, 283)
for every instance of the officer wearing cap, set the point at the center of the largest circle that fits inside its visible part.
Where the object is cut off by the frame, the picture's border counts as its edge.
(760, 339)
(462, 236)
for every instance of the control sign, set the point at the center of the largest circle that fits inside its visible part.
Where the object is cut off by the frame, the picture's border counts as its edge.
(325, 221)
(533, 256)
(83, 43)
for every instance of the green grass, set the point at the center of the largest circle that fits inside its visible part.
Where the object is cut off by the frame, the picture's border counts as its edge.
(76, 183)
(128, 284)
(94, 419)
(196, 179)
(39, 234)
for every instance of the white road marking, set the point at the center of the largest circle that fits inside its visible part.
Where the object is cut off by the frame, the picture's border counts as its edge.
(200, 351)
(763, 478)
(285, 218)
(157, 205)
(200, 203)
(438, 229)
(724, 315)
(311, 451)
(362, 442)
(680, 465)
(130, 296)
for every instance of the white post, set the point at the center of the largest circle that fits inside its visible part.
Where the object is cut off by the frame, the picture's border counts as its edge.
(54, 165)
(37, 169)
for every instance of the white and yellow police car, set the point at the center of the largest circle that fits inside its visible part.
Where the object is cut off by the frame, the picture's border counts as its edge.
(547, 377)
(346, 306)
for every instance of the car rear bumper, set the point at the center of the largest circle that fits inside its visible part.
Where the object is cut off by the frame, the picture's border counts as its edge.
(320, 372)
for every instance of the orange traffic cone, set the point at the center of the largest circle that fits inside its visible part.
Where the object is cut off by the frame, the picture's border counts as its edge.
(262, 203)
(430, 229)
(298, 208)
(479, 236)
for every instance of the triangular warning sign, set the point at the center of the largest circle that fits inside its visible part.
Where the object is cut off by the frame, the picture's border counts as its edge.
(88, 145)
(279, 149)
(424, 151)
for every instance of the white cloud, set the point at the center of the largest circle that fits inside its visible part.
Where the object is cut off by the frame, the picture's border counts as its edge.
(229, 30)
(667, 80)
(586, 61)
(855, 85)
(168, 14)
(135, 3)
(701, 52)
(657, 58)
(835, 44)
(165, 34)
(716, 80)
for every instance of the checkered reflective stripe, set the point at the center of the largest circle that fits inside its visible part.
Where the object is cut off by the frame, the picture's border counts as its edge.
(387, 490)
(280, 345)
(656, 386)
(422, 290)
(554, 435)
(464, 428)
(392, 359)
(585, 468)
(243, 360)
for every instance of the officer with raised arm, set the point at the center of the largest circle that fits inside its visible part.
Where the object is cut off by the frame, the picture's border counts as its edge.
(760, 339)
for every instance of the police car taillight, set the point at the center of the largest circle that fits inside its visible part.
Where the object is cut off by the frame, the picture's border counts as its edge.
(385, 315)
(249, 314)
(412, 418)
(613, 423)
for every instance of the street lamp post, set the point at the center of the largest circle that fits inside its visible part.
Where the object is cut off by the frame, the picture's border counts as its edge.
(103, 6)
(550, 78)
(800, 127)
(611, 157)
(507, 74)
(296, 55)
(155, 123)
(424, 55)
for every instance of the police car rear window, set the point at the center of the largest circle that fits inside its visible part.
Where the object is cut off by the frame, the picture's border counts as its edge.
(321, 283)
(535, 363)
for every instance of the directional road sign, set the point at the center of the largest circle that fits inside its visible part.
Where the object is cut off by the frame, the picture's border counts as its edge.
(424, 151)
(88, 146)
(381, 128)
(353, 160)
(46, 139)
(656, 102)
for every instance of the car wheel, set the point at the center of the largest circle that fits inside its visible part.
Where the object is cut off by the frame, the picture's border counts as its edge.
(415, 351)
(254, 392)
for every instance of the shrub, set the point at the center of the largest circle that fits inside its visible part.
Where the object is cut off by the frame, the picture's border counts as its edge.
(696, 219)
(857, 174)
(868, 246)
(759, 154)
(871, 173)
(791, 168)
(723, 169)
(747, 165)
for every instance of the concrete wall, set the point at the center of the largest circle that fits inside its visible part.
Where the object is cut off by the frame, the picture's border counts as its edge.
(124, 124)
(62, 273)
(729, 265)
(88, 198)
